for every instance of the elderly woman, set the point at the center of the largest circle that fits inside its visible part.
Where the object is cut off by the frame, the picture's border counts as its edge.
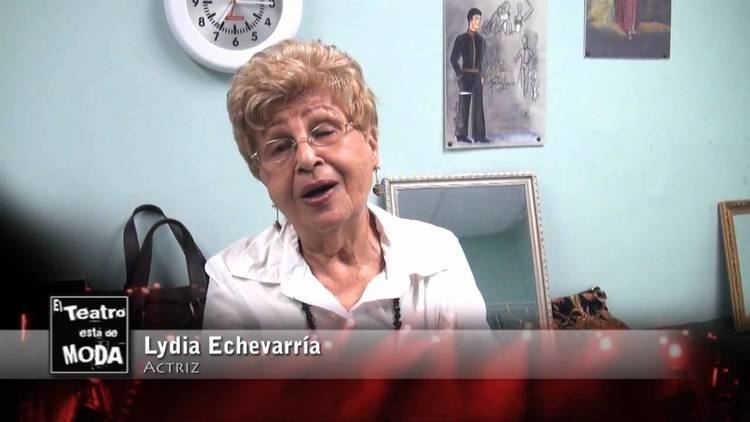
(306, 124)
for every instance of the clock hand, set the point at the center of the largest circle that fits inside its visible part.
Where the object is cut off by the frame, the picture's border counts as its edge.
(230, 6)
(261, 2)
(232, 16)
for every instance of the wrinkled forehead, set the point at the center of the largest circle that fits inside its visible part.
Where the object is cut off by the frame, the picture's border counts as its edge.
(305, 105)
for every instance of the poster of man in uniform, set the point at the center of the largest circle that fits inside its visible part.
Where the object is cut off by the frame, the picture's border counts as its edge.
(638, 29)
(494, 73)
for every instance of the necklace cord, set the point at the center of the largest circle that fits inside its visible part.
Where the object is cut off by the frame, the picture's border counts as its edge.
(310, 319)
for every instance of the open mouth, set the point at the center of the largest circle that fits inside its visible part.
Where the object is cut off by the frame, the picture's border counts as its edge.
(317, 189)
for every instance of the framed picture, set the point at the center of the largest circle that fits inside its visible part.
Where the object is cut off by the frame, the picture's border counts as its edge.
(497, 220)
(735, 229)
(638, 29)
(494, 73)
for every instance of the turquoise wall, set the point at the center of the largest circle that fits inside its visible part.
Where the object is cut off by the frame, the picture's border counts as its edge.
(102, 111)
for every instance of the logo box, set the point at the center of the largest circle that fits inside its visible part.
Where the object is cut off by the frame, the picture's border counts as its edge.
(89, 335)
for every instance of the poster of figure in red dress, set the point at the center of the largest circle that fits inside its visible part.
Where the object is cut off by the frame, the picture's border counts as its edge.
(639, 29)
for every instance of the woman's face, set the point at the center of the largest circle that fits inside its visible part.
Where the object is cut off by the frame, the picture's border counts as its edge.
(319, 188)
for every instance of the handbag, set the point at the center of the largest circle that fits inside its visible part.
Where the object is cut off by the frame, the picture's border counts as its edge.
(584, 310)
(131, 244)
(157, 307)
(168, 307)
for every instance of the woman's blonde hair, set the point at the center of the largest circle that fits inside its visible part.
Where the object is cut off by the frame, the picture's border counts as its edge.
(286, 71)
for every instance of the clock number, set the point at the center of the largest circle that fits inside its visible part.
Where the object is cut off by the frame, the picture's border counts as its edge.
(273, 3)
(195, 3)
(201, 22)
(216, 35)
(268, 21)
(235, 42)
(255, 36)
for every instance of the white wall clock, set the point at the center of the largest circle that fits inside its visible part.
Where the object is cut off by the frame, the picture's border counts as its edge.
(223, 34)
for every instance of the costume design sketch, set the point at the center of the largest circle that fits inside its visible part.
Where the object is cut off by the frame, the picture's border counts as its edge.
(466, 59)
(494, 94)
(628, 28)
(526, 60)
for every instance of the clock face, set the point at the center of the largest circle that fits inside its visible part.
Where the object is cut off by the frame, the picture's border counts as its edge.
(224, 34)
(235, 24)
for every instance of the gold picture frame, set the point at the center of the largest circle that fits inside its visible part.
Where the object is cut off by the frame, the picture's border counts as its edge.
(728, 210)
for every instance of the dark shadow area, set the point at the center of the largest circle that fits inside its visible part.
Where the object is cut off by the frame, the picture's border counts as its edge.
(31, 272)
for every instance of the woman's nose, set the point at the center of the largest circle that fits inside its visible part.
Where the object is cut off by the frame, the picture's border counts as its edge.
(306, 157)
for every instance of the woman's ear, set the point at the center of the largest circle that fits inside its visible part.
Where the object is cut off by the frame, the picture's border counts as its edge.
(263, 176)
(372, 140)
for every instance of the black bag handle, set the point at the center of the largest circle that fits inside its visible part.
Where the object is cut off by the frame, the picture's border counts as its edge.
(131, 245)
(193, 257)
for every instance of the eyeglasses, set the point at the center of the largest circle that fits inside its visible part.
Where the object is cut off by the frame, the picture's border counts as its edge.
(279, 150)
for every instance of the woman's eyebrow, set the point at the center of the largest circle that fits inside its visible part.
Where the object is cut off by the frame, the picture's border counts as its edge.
(328, 109)
(274, 132)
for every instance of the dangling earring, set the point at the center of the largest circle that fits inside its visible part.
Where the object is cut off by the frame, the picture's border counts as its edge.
(276, 224)
(378, 188)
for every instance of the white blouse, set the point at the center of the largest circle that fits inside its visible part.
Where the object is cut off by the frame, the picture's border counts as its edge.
(259, 283)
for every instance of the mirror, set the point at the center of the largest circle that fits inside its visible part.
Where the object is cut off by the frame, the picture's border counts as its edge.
(735, 227)
(496, 219)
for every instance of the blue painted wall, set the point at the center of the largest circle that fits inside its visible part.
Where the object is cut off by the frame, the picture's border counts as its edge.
(102, 111)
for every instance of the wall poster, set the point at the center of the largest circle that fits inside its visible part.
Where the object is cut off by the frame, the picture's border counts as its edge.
(494, 73)
(639, 29)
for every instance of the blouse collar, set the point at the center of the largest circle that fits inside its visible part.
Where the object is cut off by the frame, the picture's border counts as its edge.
(273, 257)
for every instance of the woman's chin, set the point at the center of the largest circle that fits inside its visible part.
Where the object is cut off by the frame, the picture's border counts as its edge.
(326, 219)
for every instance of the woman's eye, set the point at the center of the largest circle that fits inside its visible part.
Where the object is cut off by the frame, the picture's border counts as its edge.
(280, 146)
(324, 131)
